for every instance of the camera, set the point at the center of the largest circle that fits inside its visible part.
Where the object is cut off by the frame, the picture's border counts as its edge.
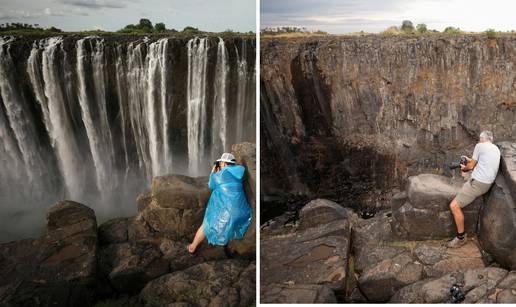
(217, 165)
(456, 294)
(454, 165)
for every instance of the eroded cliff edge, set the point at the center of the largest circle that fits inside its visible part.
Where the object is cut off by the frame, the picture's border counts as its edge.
(350, 118)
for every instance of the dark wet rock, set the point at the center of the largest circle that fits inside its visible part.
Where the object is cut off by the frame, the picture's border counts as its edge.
(114, 230)
(216, 283)
(245, 154)
(177, 205)
(129, 267)
(425, 215)
(58, 268)
(380, 282)
(497, 225)
(317, 255)
(296, 294)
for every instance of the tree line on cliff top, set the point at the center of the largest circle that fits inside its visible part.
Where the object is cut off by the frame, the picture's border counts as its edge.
(407, 27)
(144, 26)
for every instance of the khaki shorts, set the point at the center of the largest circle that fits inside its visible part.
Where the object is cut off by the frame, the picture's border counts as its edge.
(471, 190)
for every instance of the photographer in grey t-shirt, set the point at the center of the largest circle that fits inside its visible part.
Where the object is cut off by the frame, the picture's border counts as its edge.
(484, 163)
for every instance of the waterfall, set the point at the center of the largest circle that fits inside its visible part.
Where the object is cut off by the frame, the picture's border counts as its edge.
(58, 121)
(196, 100)
(219, 121)
(157, 105)
(94, 114)
(241, 92)
(94, 119)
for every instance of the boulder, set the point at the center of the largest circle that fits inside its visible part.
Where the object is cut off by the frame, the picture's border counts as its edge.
(310, 255)
(58, 268)
(296, 294)
(425, 213)
(497, 225)
(482, 285)
(381, 281)
(114, 230)
(320, 211)
(373, 242)
(216, 283)
(245, 154)
(129, 267)
(177, 205)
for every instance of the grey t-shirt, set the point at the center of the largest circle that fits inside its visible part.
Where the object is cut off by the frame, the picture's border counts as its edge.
(487, 156)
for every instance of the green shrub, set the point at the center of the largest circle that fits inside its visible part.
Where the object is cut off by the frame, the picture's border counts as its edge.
(491, 33)
(407, 26)
(421, 28)
(452, 31)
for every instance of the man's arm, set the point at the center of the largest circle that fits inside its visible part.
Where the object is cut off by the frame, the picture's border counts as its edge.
(469, 166)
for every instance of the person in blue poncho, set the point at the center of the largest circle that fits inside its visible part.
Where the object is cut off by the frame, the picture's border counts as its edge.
(228, 214)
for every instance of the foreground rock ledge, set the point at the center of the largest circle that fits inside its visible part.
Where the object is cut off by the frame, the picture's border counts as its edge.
(315, 253)
(57, 269)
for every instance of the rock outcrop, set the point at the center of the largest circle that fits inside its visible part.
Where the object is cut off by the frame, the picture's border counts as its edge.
(59, 268)
(176, 205)
(497, 225)
(316, 252)
(425, 213)
(219, 283)
(486, 285)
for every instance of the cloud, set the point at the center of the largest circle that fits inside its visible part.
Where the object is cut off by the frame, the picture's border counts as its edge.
(97, 4)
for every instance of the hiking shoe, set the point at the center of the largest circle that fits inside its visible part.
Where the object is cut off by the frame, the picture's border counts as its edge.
(456, 242)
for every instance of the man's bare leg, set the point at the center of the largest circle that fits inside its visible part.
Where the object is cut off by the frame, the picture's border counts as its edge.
(458, 216)
(199, 237)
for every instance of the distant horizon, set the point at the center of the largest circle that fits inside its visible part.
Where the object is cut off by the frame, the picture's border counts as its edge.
(352, 16)
(113, 15)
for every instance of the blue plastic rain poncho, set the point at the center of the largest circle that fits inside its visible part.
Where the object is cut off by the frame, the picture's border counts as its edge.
(228, 213)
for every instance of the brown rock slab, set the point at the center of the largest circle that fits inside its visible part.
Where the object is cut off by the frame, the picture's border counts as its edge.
(296, 294)
(216, 283)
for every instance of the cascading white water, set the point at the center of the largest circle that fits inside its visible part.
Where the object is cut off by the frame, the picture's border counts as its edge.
(196, 102)
(18, 118)
(94, 114)
(241, 91)
(157, 107)
(219, 118)
(59, 122)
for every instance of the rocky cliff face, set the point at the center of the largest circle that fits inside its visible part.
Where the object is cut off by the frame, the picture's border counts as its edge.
(93, 119)
(351, 118)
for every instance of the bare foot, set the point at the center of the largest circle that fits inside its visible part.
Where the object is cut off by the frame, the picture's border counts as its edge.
(191, 249)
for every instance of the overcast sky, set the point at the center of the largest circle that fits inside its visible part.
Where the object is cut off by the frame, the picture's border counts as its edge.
(344, 16)
(73, 15)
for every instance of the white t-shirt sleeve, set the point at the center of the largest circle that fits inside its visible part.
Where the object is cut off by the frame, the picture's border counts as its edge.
(475, 153)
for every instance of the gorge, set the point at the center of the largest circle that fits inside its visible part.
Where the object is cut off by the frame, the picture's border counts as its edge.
(94, 119)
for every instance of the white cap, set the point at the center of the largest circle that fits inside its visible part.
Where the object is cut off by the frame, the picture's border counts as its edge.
(227, 157)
